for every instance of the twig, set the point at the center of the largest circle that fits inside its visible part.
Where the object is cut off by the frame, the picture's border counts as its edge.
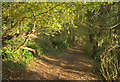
(103, 27)
(30, 49)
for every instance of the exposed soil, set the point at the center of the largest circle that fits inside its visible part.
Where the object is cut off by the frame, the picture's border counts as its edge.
(73, 66)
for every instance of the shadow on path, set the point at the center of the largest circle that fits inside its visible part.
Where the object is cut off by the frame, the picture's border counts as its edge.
(73, 66)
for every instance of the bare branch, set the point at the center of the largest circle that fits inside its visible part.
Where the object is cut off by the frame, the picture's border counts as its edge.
(30, 49)
(23, 44)
(18, 21)
(103, 27)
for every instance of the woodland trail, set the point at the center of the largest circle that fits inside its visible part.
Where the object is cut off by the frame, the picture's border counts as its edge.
(73, 66)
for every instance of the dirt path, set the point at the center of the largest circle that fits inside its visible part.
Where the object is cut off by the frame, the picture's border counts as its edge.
(73, 66)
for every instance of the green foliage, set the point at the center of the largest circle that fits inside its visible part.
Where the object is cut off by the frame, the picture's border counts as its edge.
(22, 56)
(45, 45)
(16, 61)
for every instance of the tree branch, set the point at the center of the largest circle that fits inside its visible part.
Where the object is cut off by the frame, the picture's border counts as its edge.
(14, 25)
(26, 40)
(103, 27)
(30, 49)
(8, 37)
(51, 9)
(29, 17)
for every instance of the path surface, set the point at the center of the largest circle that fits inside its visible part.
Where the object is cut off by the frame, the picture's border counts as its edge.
(73, 66)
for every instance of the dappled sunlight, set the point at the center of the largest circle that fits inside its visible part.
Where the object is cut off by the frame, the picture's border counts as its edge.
(83, 75)
(80, 51)
(85, 64)
(74, 66)
(51, 59)
(84, 60)
(70, 66)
